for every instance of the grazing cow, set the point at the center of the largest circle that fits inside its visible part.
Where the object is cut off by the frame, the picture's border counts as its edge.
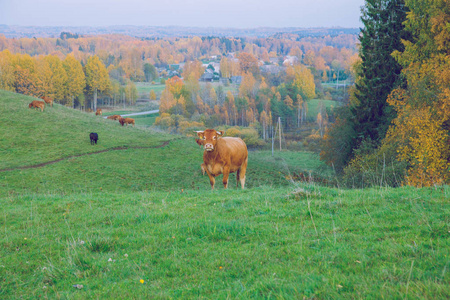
(126, 121)
(98, 112)
(37, 104)
(48, 100)
(114, 117)
(223, 155)
(94, 138)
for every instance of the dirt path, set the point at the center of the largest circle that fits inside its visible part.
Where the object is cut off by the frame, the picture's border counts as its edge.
(84, 154)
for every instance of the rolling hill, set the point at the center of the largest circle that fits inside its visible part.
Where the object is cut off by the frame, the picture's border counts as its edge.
(133, 218)
(52, 151)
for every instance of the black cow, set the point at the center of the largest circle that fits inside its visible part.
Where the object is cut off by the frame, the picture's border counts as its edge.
(94, 138)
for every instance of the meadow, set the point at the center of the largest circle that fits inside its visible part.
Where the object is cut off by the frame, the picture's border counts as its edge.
(144, 89)
(133, 218)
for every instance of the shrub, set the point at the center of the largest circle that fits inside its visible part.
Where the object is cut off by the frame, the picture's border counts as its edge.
(188, 128)
(369, 167)
(249, 135)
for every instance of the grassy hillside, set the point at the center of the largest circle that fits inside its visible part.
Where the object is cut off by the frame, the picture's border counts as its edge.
(139, 221)
(274, 243)
(133, 159)
(30, 137)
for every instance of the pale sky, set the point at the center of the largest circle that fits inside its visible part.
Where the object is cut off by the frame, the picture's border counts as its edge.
(188, 13)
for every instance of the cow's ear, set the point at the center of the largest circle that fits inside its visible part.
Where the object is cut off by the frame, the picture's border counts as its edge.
(220, 132)
(200, 134)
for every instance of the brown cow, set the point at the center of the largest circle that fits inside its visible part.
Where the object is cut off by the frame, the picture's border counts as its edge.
(114, 117)
(37, 104)
(126, 121)
(98, 112)
(223, 155)
(48, 100)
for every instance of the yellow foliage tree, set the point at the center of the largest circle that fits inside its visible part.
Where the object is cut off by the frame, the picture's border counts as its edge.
(167, 100)
(97, 77)
(421, 131)
(304, 81)
(6, 71)
(75, 80)
(25, 78)
(247, 88)
(152, 95)
(59, 77)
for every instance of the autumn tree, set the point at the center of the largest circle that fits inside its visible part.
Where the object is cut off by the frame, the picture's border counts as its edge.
(152, 95)
(174, 85)
(6, 71)
(59, 77)
(97, 77)
(25, 77)
(192, 72)
(249, 64)
(131, 93)
(225, 67)
(75, 79)
(248, 86)
(421, 130)
(167, 100)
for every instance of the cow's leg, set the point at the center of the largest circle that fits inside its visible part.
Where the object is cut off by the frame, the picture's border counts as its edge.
(243, 169)
(203, 167)
(237, 177)
(212, 179)
(226, 174)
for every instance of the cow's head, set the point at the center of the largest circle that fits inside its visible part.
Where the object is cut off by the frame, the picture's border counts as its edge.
(208, 138)
(122, 121)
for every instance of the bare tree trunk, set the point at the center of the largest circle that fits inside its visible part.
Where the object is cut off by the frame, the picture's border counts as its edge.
(95, 99)
(264, 130)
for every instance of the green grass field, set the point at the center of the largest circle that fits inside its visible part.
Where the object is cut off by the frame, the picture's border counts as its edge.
(144, 88)
(139, 221)
(314, 105)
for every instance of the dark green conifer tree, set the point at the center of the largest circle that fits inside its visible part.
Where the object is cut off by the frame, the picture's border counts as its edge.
(380, 73)
(364, 122)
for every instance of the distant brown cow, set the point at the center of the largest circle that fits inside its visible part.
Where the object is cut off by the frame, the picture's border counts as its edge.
(48, 100)
(98, 112)
(223, 155)
(37, 104)
(114, 117)
(127, 121)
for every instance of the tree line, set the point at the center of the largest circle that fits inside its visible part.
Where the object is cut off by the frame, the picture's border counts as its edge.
(68, 81)
(396, 128)
(125, 57)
